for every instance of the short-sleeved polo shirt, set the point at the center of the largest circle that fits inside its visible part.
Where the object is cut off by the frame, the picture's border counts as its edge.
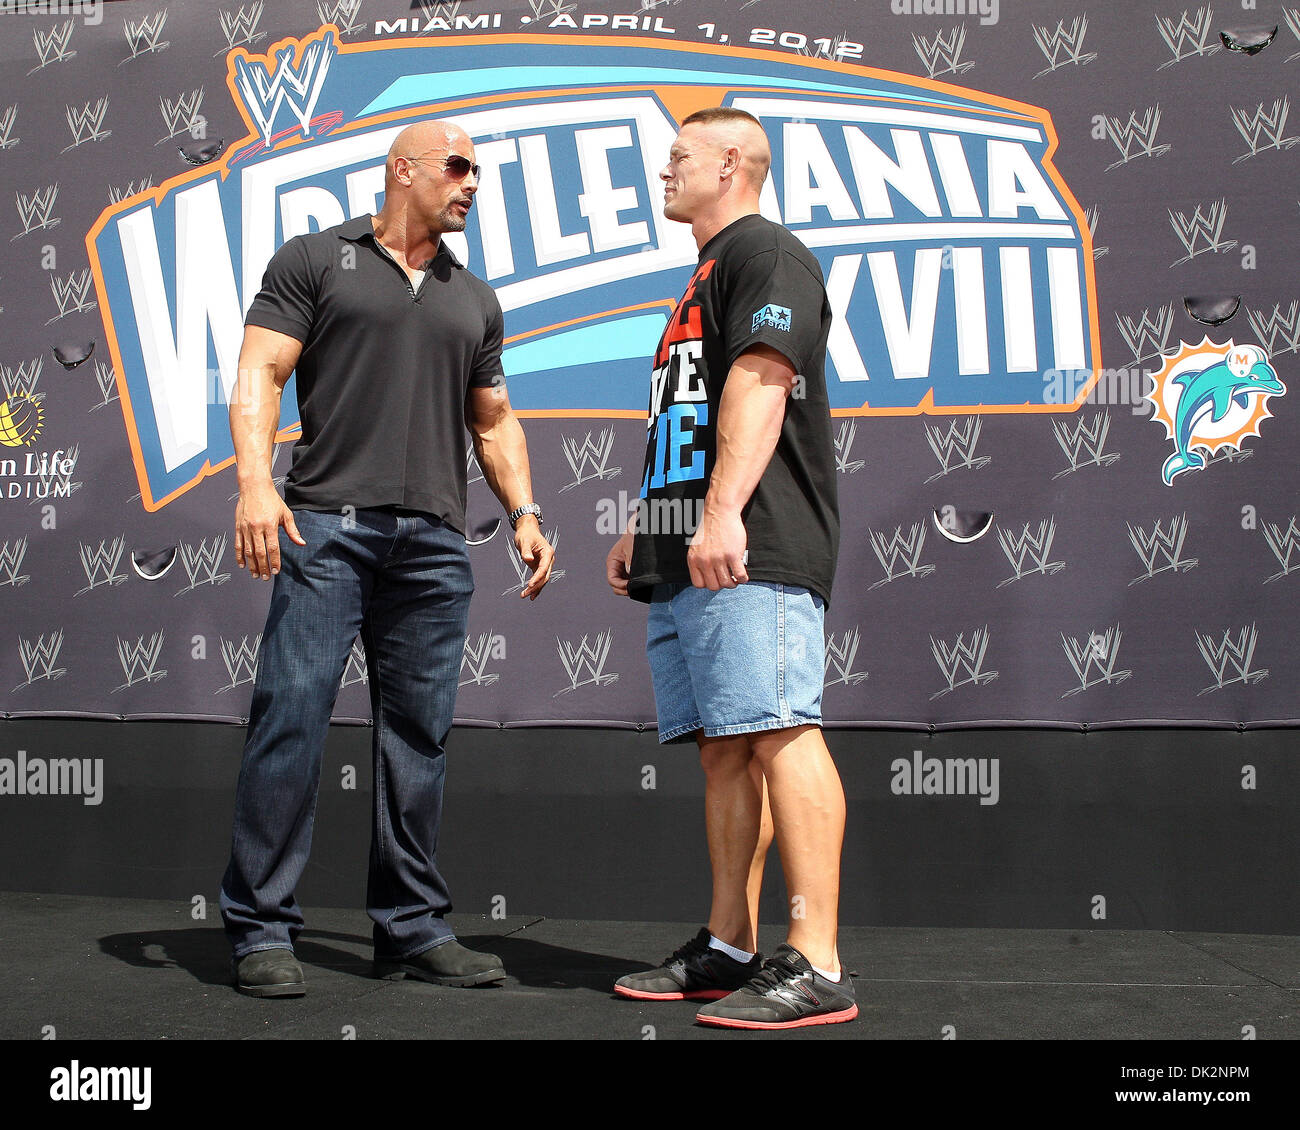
(384, 371)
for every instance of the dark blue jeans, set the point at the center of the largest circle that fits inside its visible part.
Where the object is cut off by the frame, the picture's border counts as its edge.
(403, 580)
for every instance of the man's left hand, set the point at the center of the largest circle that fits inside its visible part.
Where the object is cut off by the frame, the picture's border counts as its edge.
(536, 553)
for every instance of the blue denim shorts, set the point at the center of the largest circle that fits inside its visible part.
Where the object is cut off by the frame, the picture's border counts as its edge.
(736, 661)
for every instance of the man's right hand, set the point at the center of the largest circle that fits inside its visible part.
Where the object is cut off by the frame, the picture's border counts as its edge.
(258, 518)
(618, 564)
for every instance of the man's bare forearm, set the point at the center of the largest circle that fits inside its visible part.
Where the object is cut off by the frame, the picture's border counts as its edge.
(502, 453)
(254, 420)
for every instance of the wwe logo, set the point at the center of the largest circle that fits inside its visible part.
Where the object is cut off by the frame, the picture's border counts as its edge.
(1277, 325)
(71, 294)
(182, 115)
(1283, 544)
(941, 57)
(585, 663)
(954, 446)
(1092, 215)
(354, 671)
(7, 119)
(106, 378)
(1229, 653)
(87, 123)
(202, 562)
(1292, 16)
(1136, 133)
(591, 452)
(1094, 659)
(844, 445)
(342, 13)
(241, 661)
(22, 380)
(1061, 47)
(1185, 36)
(11, 560)
(116, 195)
(297, 87)
(52, 47)
(542, 9)
(1263, 129)
(142, 35)
(60, 484)
(962, 656)
(840, 654)
(1161, 543)
(35, 210)
(240, 26)
(890, 552)
(139, 660)
(476, 656)
(1147, 332)
(447, 12)
(99, 563)
(1029, 553)
(38, 658)
(1084, 436)
(1208, 227)
(522, 571)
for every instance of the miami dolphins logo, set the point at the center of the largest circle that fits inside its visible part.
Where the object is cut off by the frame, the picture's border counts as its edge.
(1211, 397)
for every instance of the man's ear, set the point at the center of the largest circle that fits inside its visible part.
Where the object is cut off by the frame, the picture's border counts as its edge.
(730, 161)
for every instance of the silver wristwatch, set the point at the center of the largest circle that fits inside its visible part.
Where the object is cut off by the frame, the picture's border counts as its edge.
(526, 508)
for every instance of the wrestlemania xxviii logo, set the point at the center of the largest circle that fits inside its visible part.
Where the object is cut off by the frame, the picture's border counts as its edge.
(958, 263)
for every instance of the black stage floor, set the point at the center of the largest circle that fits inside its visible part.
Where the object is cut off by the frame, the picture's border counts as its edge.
(80, 968)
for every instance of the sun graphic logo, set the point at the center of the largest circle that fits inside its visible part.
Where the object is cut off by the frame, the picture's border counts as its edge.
(1210, 397)
(20, 420)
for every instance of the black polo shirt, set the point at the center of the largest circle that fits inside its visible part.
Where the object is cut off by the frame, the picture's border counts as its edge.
(384, 370)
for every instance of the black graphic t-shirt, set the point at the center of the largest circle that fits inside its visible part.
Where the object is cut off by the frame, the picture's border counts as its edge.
(755, 284)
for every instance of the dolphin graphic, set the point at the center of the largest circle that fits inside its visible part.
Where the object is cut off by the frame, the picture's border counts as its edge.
(1212, 392)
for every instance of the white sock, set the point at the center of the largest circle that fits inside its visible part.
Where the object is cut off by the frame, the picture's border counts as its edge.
(731, 951)
(834, 978)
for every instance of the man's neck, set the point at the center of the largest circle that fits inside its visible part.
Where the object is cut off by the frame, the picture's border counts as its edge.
(408, 245)
(704, 228)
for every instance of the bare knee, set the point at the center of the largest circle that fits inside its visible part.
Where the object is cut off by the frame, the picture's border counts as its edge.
(724, 757)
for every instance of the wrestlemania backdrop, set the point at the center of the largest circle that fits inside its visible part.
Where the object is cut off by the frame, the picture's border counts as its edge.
(1060, 239)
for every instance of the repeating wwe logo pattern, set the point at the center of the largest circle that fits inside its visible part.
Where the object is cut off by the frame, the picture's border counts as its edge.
(1201, 232)
(1263, 129)
(900, 556)
(1084, 442)
(1093, 659)
(1029, 553)
(52, 45)
(848, 431)
(11, 561)
(297, 87)
(202, 562)
(240, 26)
(116, 193)
(584, 662)
(1292, 16)
(87, 124)
(522, 571)
(1229, 659)
(961, 662)
(342, 14)
(51, 484)
(1148, 335)
(22, 381)
(589, 453)
(841, 653)
(1277, 332)
(181, 115)
(1160, 549)
(139, 660)
(954, 446)
(1062, 48)
(1092, 215)
(8, 116)
(1135, 137)
(241, 661)
(475, 660)
(144, 35)
(1187, 35)
(38, 658)
(942, 55)
(71, 294)
(36, 211)
(106, 379)
(100, 563)
(354, 670)
(1284, 544)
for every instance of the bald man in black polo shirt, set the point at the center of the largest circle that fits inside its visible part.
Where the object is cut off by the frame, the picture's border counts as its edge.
(396, 348)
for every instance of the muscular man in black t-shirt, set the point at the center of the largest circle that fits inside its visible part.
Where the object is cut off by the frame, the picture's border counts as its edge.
(734, 545)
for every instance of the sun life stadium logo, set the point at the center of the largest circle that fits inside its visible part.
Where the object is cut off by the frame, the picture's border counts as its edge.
(1210, 398)
(958, 264)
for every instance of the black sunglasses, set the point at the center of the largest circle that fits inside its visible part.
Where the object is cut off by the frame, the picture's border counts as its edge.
(458, 167)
